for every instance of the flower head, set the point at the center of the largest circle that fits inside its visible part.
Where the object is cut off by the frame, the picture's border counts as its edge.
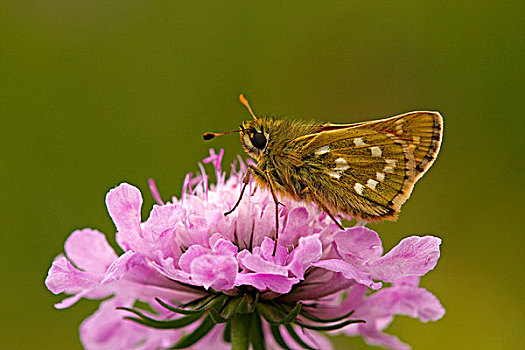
(204, 275)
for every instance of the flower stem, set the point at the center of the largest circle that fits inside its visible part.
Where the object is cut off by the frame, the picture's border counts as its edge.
(240, 336)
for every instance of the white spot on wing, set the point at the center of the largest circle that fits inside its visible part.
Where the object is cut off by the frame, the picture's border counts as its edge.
(322, 150)
(372, 184)
(388, 169)
(341, 164)
(359, 188)
(380, 176)
(334, 174)
(376, 151)
(391, 162)
(359, 142)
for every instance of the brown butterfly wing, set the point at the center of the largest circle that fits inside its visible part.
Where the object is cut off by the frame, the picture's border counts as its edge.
(422, 131)
(368, 170)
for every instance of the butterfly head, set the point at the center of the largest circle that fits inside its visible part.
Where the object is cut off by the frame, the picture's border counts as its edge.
(254, 137)
(254, 134)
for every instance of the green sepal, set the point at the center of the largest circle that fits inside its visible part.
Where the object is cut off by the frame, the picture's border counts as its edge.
(214, 315)
(326, 320)
(297, 338)
(176, 309)
(200, 302)
(275, 316)
(276, 332)
(332, 327)
(258, 342)
(167, 324)
(247, 304)
(188, 340)
(227, 334)
(230, 309)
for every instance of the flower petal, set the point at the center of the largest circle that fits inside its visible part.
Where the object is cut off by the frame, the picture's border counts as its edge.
(121, 266)
(124, 204)
(295, 222)
(64, 277)
(358, 244)
(372, 336)
(418, 303)
(262, 282)
(349, 271)
(256, 263)
(215, 271)
(223, 246)
(267, 248)
(319, 284)
(189, 255)
(89, 250)
(307, 252)
(413, 256)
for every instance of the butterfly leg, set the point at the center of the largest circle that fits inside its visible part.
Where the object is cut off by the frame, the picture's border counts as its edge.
(245, 183)
(323, 207)
(268, 179)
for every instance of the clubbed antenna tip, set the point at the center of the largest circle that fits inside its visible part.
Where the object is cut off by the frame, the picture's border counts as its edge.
(208, 136)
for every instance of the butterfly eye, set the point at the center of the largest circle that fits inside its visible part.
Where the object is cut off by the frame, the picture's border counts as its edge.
(258, 140)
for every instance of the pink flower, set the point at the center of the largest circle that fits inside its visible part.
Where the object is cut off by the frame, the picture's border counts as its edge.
(222, 271)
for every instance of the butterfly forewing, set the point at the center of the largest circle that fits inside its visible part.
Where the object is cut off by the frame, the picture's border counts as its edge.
(422, 131)
(374, 164)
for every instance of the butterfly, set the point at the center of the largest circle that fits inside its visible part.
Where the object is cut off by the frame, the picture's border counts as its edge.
(365, 170)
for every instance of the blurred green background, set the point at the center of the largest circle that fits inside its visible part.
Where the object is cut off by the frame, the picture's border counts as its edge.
(94, 93)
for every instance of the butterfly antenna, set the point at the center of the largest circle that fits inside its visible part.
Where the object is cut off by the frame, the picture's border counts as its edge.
(210, 135)
(244, 101)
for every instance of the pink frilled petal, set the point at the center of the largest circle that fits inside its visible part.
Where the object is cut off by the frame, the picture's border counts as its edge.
(89, 250)
(168, 269)
(349, 271)
(264, 220)
(189, 255)
(121, 266)
(266, 251)
(159, 229)
(256, 263)
(319, 284)
(262, 282)
(295, 222)
(307, 252)
(223, 246)
(65, 278)
(378, 309)
(107, 329)
(124, 203)
(415, 302)
(215, 271)
(372, 336)
(358, 244)
(413, 256)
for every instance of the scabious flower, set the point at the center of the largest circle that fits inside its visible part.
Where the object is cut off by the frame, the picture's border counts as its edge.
(189, 276)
